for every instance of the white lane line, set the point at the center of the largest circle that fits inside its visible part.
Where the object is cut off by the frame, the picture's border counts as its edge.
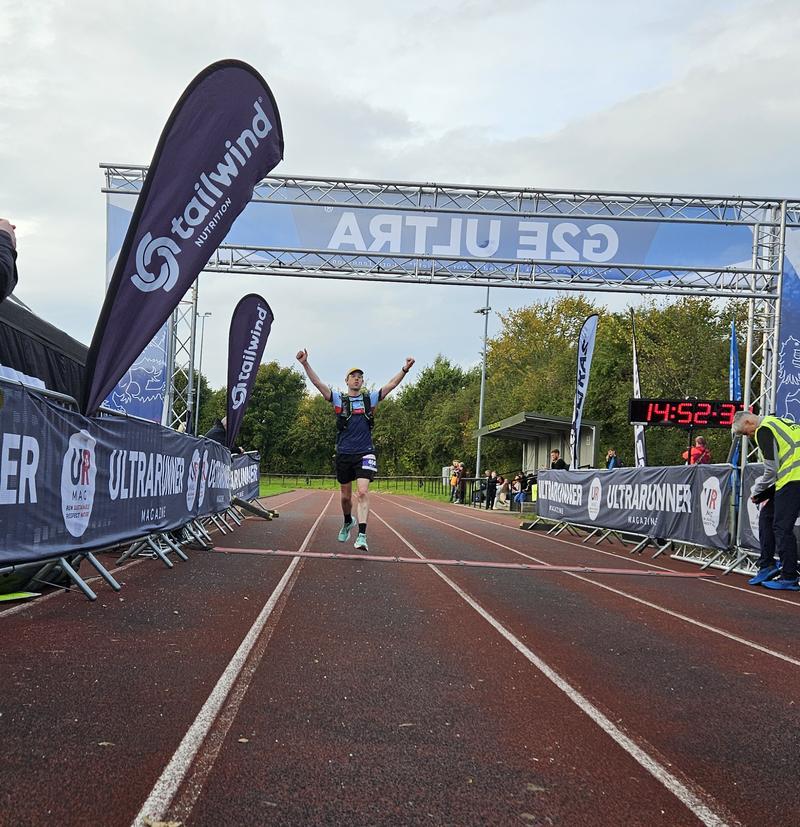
(300, 496)
(700, 803)
(685, 618)
(170, 780)
(752, 592)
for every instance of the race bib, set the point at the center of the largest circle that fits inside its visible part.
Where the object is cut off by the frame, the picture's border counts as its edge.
(369, 463)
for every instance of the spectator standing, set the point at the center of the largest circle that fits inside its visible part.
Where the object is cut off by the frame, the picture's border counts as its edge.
(612, 460)
(491, 489)
(8, 258)
(556, 463)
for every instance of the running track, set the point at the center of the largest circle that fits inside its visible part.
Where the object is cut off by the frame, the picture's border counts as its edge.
(244, 689)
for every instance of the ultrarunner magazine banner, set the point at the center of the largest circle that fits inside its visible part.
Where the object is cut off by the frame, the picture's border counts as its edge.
(245, 475)
(585, 351)
(690, 503)
(748, 510)
(70, 482)
(223, 136)
(251, 323)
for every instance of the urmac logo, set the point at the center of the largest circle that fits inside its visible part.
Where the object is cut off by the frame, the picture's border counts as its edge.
(209, 200)
(595, 498)
(78, 473)
(711, 505)
(239, 390)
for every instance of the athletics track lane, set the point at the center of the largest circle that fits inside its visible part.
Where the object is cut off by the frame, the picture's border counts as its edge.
(404, 646)
(723, 712)
(94, 697)
(385, 699)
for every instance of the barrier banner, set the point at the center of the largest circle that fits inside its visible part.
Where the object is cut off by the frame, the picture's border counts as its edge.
(748, 511)
(223, 136)
(584, 367)
(69, 482)
(245, 470)
(689, 503)
(251, 323)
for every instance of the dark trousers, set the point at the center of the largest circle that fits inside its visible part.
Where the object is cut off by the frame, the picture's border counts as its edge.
(491, 493)
(766, 534)
(787, 509)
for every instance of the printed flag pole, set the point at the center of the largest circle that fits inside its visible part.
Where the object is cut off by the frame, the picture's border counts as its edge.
(585, 351)
(223, 136)
(251, 323)
(735, 394)
(639, 444)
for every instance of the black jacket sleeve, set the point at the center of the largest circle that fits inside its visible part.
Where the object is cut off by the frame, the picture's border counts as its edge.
(8, 266)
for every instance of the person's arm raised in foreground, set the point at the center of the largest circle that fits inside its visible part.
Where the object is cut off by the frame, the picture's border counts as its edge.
(397, 378)
(302, 357)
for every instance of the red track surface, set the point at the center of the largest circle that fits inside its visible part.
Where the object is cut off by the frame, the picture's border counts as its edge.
(393, 694)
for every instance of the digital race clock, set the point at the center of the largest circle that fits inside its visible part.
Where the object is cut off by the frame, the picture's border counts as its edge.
(685, 413)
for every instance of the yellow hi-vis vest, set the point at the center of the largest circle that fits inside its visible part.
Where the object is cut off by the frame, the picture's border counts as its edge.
(787, 437)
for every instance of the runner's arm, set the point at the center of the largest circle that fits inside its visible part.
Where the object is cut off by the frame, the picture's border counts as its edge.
(766, 444)
(302, 357)
(396, 379)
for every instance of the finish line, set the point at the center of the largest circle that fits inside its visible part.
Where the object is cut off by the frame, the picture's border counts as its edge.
(467, 564)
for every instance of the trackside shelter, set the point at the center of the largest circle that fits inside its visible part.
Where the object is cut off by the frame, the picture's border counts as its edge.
(540, 434)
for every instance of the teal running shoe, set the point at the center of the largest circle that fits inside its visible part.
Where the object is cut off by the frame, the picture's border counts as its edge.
(344, 531)
(361, 542)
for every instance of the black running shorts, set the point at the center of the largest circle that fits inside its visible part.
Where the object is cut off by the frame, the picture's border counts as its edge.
(351, 467)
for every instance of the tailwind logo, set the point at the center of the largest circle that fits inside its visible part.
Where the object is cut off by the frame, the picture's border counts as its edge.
(203, 212)
(595, 498)
(147, 281)
(78, 473)
(711, 505)
(239, 390)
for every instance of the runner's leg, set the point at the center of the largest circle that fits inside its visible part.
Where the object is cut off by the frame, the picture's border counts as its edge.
(362, 501)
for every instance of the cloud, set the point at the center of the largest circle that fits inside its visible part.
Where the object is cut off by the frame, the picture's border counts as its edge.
(679, 97)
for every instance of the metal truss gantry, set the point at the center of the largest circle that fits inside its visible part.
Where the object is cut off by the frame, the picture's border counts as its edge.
(760, 283)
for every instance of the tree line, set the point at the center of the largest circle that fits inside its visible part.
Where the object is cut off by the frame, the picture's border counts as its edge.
(683, 350)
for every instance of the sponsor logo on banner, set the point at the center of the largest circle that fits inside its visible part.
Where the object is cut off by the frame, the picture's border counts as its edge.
(78, 474)
(19, 462)
(167, 249)
(752, 516)
(203, 482)
(711, 505)
(595, 498)
(191, 482)
(209, 199)
(251, 353)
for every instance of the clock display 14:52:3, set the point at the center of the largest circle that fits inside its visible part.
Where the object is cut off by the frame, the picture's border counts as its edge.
(690, 413)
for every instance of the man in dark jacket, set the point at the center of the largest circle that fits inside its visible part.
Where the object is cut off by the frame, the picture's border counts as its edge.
(8, 258)
(556, 463)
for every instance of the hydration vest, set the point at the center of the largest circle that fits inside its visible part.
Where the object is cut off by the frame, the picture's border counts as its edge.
(787, 438)
(343, 418)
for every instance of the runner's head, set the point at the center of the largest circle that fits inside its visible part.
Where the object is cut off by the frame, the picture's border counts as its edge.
(354, 379)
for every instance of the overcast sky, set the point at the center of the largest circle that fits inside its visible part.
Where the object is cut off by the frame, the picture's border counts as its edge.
(665, 96)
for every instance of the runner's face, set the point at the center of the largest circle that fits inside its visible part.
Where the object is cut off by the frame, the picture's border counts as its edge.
(355, 381)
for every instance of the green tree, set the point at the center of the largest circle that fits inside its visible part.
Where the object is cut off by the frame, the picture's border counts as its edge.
(273, 409)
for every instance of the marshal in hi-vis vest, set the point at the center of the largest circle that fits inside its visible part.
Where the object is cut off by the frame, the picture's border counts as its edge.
(787, 437)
